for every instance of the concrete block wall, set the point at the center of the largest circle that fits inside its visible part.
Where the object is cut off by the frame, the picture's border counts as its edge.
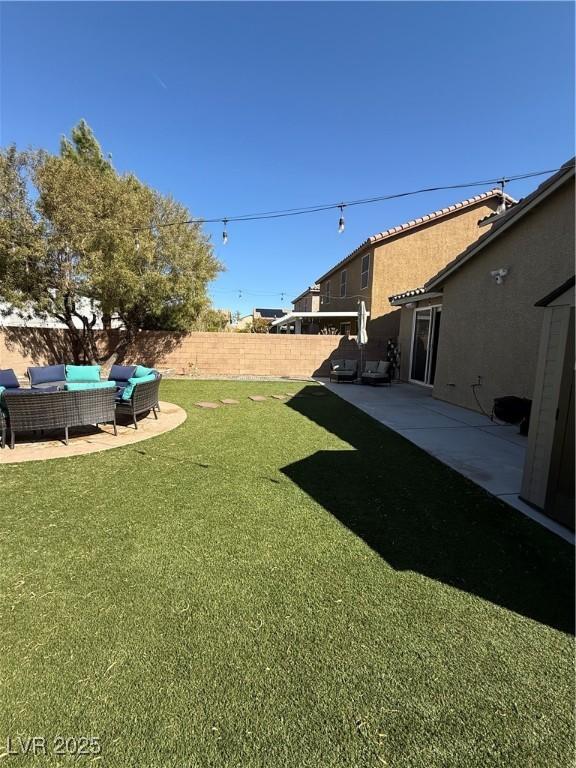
(196, 354)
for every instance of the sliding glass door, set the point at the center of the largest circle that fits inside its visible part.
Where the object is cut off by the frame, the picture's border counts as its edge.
(425, 344)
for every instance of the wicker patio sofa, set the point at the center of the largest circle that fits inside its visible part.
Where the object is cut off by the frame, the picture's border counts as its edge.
(30, 410)
(144, 398)
(2, 429)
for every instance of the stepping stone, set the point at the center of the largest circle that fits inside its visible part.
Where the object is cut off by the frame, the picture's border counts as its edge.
(228, 401)
(279, 397)
(256, 398)
(204, 404)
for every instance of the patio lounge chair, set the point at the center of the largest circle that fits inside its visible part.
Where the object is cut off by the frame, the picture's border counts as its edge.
(343, 370)
(143, 397)
(377, 372)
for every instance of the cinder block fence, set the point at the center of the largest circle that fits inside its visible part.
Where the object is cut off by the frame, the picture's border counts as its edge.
(196, 354)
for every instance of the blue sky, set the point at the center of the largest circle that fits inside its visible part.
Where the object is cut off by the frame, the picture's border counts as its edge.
(243, 107)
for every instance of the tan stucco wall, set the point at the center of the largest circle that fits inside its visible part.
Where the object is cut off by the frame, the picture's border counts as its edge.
(403, 262)
(308, 303)
(405, 333)
(353, 291)
(492, 330)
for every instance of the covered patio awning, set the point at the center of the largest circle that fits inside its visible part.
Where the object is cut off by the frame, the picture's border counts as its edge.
(292, 317)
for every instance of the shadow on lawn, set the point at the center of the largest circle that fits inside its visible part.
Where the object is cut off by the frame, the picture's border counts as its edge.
(421, 516)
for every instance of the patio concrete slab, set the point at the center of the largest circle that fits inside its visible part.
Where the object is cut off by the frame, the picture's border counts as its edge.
(31, 447)
(489, 461)
(490, 455)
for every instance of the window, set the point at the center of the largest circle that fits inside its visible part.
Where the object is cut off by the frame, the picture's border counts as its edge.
(327, 293)
(343, 278)
(365, 271)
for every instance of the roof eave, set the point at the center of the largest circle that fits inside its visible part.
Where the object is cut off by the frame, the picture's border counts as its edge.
(401, 300)
(513, 215)
(417, 223)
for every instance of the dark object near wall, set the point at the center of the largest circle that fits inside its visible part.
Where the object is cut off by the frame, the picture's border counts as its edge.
(513, 410)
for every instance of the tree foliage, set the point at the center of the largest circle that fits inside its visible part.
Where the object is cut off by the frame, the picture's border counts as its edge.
(76, 236)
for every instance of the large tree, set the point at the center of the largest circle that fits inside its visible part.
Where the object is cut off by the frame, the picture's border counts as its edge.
(97, 243)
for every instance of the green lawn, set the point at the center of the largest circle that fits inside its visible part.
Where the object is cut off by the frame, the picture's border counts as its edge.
(279, 584)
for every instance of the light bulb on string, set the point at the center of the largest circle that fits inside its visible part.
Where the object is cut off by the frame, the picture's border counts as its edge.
(341, 221)
(136, 242)
(502, 205)
(224, 232)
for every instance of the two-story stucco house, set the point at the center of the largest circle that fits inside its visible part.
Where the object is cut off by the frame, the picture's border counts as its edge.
(474, 322)
(408, 254)
(308, 300)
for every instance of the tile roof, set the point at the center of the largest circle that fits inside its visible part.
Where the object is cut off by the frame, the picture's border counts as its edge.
(413, 224)
(407, 294)
(563, 175)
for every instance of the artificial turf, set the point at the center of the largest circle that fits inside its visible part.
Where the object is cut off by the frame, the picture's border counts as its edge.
(279, 584)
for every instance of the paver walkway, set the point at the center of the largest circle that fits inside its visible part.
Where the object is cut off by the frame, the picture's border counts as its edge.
(491, 455)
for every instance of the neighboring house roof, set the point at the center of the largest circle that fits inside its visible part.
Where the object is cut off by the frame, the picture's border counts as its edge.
(10, 317)
(269, 314)
(311, 289)
(549, 298)
(415, 223)
(505, 220)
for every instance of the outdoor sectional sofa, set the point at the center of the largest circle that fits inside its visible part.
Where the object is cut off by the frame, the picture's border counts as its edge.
(64, 396)
(30, 410)
(144, 397)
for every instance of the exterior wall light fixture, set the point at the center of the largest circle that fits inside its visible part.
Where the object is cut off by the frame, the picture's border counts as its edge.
(499, 274)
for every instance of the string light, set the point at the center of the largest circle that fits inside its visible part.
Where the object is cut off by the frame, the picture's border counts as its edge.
(341, 221)
(335, 206)
(502, 205)
(136, 242)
